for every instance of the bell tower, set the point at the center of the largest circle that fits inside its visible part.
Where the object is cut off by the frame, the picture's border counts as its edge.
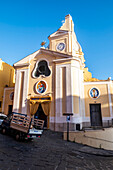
(64, 39)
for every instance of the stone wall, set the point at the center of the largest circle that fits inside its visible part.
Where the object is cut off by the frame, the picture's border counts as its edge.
(96, 138)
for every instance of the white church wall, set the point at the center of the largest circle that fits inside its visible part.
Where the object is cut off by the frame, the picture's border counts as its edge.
(17, 93)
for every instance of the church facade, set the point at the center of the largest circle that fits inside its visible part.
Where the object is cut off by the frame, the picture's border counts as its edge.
(54, 80)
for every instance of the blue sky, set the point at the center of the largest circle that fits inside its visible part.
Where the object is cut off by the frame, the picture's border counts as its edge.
(25, 24)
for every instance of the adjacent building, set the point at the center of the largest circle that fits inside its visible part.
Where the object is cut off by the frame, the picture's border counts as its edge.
(7, 79)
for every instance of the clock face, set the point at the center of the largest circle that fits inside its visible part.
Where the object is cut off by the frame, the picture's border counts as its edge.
(60, 46)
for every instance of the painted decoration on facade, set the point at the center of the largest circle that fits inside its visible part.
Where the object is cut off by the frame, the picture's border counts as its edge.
(41, 86)
(94, 93)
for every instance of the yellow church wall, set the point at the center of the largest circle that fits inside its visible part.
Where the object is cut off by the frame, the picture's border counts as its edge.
(1, 97)
(63, 39)
(50, 80)
(111, 91)
(33, 81)
(65, 34)
(7, 77)
(87, 74)
(103, 99)
(54, 42)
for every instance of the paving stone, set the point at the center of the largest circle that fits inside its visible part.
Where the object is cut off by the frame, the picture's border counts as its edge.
(51, 152)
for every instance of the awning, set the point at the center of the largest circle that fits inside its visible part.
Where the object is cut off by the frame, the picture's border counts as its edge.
(45, 103)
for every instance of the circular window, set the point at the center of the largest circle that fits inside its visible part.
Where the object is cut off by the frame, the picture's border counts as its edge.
(94, 93)
(41, 87)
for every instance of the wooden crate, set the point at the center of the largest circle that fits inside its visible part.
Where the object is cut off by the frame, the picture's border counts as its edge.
(38, 123)
(20, 122)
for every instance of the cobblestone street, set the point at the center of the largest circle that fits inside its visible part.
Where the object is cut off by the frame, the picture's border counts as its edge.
(50, 152)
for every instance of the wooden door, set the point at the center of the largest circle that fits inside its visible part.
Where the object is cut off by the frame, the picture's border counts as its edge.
(95, 115)
(10, 108)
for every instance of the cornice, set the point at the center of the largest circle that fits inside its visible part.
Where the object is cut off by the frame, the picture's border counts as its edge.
(58, 33)
(21, 65)
(55, 53)
(66, 59)
(96, 82)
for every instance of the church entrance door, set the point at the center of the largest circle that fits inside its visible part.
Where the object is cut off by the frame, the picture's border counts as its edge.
(41, 115)
(95, 115)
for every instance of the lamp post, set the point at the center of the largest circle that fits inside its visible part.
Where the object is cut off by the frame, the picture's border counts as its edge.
(67, 119)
